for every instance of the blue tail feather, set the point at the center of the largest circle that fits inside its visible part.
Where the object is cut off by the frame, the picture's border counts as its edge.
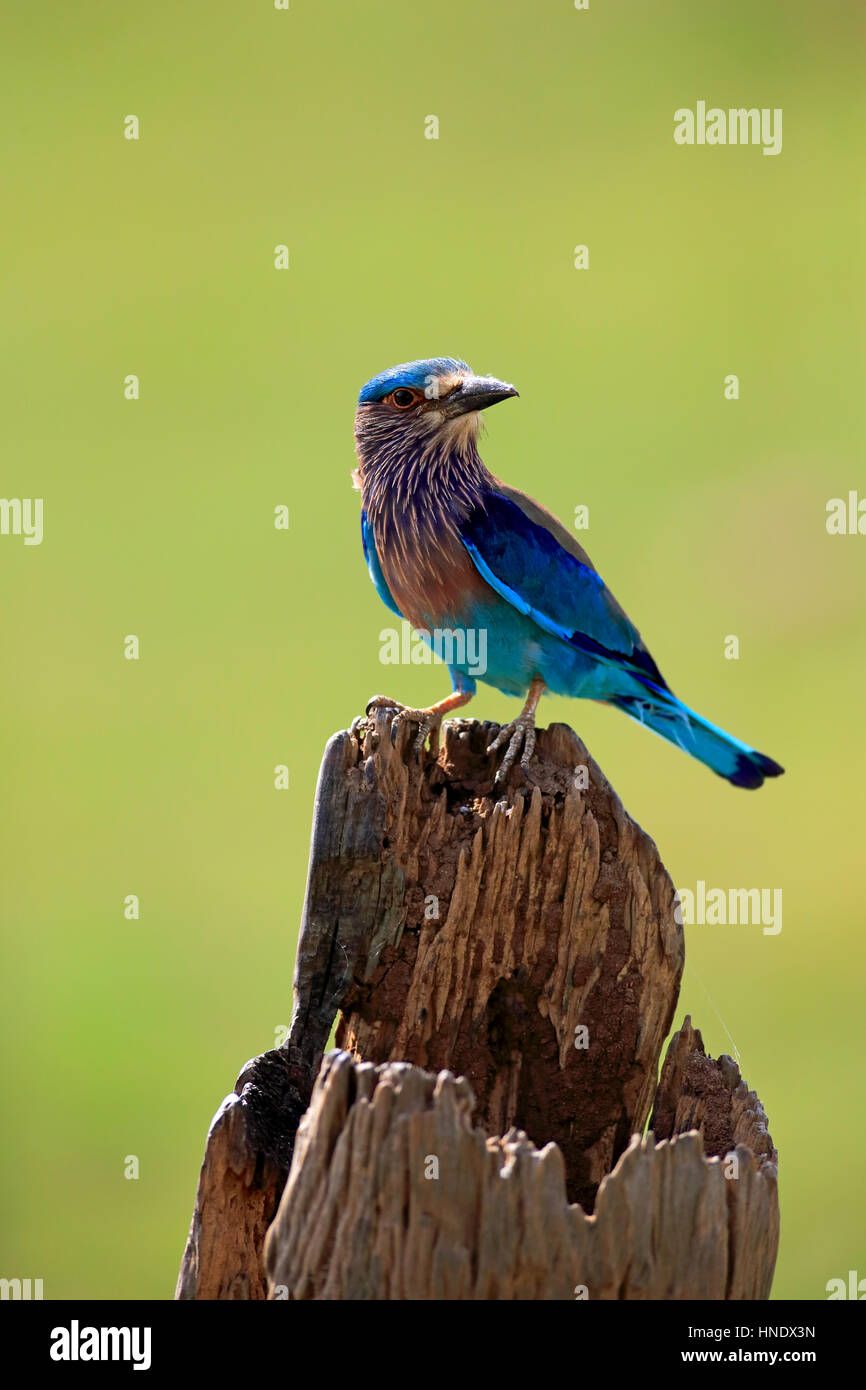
(667, 716)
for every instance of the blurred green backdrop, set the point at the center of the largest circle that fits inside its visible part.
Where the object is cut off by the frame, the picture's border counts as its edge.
(707, 518)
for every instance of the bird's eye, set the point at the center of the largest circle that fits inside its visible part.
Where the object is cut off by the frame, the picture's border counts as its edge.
(403, 398)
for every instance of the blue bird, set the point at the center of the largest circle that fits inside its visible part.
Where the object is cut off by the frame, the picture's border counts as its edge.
(477, 566)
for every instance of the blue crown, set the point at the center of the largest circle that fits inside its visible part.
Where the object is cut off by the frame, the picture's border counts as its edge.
(412, 374)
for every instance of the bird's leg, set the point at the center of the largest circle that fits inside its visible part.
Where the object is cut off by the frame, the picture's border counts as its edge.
(521, 731)
(428, 720)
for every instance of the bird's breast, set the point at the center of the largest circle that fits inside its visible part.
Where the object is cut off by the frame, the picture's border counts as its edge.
(427, 569)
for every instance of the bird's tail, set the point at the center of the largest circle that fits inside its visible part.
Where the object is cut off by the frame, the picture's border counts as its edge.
(662, 712)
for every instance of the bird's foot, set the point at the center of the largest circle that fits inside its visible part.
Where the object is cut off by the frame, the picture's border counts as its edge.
(520, 733)
(428, 721)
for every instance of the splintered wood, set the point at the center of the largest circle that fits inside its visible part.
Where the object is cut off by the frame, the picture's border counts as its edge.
(503, 967)
(394, 1194)
(529, 942)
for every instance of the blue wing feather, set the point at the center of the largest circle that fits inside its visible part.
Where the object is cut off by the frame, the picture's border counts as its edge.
(535, 565)
(371, 555)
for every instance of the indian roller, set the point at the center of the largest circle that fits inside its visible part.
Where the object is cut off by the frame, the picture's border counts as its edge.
(452, 549)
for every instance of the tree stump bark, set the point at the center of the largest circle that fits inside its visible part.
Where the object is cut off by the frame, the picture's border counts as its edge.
(394, 1194)
(526, 942)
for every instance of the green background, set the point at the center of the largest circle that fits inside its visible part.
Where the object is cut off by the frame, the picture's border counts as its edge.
(707, 518)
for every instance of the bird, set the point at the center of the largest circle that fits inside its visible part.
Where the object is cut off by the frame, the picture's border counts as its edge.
(452, 549)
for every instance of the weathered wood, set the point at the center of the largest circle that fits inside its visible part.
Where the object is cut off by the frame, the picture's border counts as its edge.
(250, 1141)
(247, 1157)
(696, 1092)
(395, 1194)
(476, 933)
(501, 925)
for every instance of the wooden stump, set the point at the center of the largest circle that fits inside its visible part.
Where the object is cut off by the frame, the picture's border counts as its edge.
(394, 1194)
(525, 941)
(511, 924)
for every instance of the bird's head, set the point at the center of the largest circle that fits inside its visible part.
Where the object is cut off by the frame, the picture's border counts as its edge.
(423, 409)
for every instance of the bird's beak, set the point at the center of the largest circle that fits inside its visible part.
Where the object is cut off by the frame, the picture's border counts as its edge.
(477, 393)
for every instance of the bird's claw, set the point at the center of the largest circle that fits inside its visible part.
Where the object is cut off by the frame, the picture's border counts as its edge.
(519, 733)
(380, 702)
(428, 727)
(428, 722)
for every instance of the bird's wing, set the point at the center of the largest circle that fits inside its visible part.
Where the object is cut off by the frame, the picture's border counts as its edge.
(533, 562)
(371, 555)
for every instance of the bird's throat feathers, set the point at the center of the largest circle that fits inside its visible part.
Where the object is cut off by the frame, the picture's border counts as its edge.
(425, 467)
(419, 480)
